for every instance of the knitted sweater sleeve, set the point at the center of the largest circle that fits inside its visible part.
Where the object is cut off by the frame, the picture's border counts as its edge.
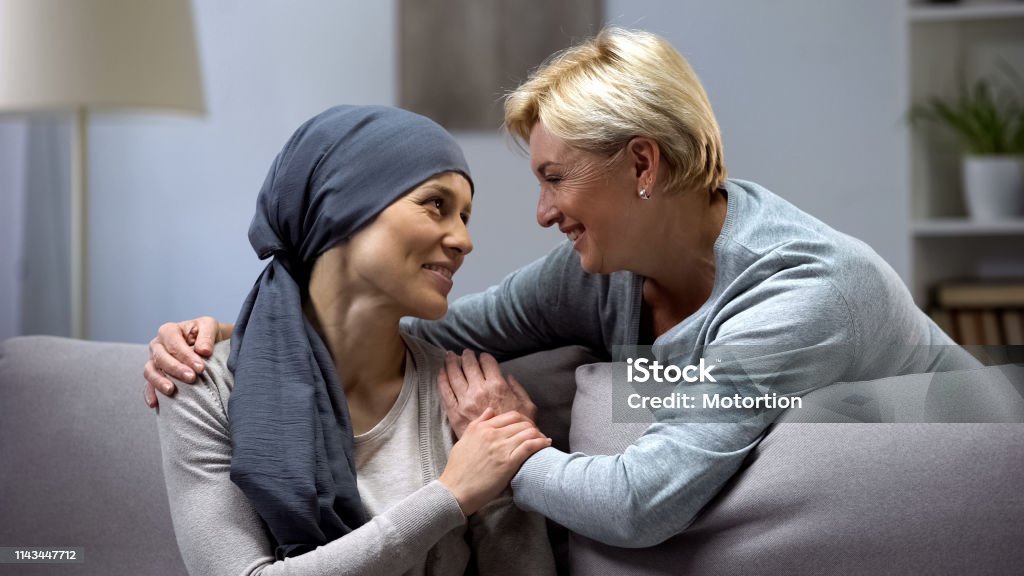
(656, 487)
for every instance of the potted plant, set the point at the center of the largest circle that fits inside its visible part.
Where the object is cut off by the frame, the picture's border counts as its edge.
(990, 127)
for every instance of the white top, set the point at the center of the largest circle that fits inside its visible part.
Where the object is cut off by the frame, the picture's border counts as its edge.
(388, 452)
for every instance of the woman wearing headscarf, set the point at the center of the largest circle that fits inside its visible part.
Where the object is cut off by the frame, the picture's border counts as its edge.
(663, 250)
(315, 442)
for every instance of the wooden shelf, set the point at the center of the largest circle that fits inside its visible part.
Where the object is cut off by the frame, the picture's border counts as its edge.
(964, 12)
(951, 227)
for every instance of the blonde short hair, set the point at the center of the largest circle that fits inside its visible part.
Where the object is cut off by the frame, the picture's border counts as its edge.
(620, 84)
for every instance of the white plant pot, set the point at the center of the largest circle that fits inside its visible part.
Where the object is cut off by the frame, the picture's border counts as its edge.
(994, 187)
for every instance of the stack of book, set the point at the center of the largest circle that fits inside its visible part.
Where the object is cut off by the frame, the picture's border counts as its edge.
(981, 313)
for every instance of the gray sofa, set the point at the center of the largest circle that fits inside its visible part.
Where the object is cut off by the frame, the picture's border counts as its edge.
(80, 467)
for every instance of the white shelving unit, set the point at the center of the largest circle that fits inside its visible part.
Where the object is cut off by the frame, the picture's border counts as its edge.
(950, 45)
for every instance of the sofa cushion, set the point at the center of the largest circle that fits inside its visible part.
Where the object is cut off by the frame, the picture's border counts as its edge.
(832, 499)
(81, 458)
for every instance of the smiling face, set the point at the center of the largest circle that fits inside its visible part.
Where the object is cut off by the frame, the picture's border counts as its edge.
(405, 259)
(590, 197)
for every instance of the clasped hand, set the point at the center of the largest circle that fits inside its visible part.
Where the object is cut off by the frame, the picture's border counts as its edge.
(468, 387)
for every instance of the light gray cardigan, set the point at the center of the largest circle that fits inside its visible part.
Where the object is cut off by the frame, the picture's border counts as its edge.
(219, 532)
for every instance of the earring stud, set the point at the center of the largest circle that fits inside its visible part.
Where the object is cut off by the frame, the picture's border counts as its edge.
(644, 195)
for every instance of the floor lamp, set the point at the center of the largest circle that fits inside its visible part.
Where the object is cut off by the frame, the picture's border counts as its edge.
(95, 55)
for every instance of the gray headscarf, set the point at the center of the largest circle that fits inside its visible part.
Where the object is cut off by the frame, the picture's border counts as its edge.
(292, 445)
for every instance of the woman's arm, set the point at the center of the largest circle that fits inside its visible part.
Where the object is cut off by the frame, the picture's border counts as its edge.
(524, 313)
(179, 351)
(657, 486)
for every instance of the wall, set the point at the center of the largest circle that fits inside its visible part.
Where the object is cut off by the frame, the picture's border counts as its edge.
(35, 164)
(172, 197)
(12, 179)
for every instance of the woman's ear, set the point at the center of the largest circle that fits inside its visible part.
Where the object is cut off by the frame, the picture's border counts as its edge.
(645, 154)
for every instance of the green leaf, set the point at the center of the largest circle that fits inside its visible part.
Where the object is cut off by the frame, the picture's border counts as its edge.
(988, 119)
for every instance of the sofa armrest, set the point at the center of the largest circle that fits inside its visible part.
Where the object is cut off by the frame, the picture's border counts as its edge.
(81, 458)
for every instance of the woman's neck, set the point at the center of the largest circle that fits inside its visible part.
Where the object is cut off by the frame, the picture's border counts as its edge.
(366, 348)
(681, 275)
(364, 341)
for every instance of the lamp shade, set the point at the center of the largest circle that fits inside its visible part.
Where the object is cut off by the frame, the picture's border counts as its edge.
(98, 54)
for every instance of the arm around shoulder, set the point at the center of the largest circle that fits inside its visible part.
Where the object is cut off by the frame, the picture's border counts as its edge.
(522, 314)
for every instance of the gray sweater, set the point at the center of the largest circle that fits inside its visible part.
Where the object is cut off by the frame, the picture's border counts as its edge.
(219, 532)
(807, 305)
